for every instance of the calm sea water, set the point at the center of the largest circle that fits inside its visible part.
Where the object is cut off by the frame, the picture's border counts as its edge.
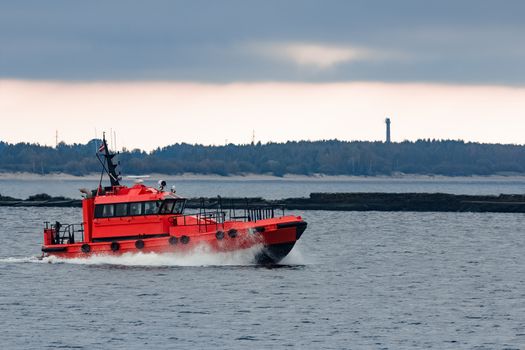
(356, 280)
(281, 188)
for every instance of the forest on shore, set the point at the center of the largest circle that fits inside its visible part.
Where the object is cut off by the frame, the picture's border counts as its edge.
(329, 157)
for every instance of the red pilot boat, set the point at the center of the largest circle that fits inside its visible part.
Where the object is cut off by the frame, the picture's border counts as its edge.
(120, 219)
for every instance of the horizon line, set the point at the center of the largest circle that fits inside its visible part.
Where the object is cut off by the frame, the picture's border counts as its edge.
(126, 149)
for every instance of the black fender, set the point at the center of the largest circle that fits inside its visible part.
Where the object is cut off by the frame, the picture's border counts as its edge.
(232, 233)
(53, 249)
(114, 246)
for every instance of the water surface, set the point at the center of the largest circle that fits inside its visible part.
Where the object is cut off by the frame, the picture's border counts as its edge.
(365, 280)
(274, 188)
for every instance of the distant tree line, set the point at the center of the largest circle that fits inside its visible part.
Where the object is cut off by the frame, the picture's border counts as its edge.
(330, 157)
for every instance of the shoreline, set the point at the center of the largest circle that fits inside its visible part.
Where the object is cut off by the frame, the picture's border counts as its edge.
(262, 177)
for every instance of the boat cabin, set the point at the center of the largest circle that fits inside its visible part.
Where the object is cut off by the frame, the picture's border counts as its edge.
(128, 213)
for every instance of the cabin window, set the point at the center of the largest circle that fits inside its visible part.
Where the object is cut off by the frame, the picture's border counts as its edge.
(151, 208)
(135, 209)
(167, 207)
(121, 209)
(103, 211)
(172, 207)
(107, 210)
(179, 207)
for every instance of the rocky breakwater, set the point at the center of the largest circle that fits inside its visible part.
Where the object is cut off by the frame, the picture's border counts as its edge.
(428, 202)
(437, 202)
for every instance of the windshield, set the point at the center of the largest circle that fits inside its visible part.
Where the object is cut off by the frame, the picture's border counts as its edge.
(171, 206)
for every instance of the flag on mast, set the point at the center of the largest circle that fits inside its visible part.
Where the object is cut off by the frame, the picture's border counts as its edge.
(102, 148)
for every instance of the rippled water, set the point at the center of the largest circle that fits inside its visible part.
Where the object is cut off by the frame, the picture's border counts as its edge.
(281, 188)
(356, 280)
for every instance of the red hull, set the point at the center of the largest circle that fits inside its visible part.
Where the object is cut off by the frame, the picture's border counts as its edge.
(276, 237)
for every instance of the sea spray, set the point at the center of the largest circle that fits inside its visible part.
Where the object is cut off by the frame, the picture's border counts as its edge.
(201, 255)
(18, 260)
(294, 258)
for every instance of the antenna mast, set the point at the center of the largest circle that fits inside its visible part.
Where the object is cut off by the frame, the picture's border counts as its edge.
(111, 167)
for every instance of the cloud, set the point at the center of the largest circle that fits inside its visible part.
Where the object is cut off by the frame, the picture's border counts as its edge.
(448, 41)
(319, 55)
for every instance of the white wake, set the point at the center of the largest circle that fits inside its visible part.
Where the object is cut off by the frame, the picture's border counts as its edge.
(200, 256)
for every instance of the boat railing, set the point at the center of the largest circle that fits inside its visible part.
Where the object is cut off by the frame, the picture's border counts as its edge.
(213, 215)
(66, 233)
(205, 221)
(251, 211)
(262, 212)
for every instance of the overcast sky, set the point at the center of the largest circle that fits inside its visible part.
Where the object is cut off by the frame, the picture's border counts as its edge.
(441, 45)
(468, 41)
